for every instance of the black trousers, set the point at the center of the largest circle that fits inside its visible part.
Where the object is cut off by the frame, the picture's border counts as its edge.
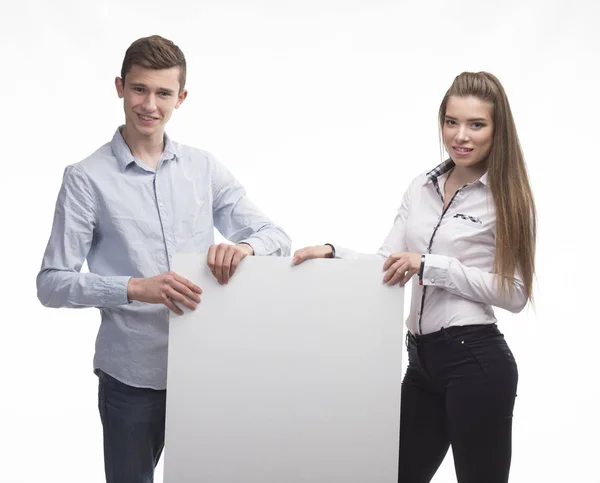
(459, 389)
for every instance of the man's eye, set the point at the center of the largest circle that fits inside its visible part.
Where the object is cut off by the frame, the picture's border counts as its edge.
(164, 94)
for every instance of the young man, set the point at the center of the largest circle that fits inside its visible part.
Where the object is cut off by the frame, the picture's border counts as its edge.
(128, 208)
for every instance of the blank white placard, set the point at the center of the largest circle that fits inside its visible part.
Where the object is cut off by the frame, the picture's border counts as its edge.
(285, 375)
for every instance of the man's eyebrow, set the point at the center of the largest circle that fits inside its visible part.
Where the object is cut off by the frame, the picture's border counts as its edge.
(141, 84)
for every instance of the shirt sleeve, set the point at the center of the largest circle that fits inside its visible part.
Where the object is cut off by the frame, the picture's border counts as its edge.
(394, 242)
(59, 281)
(472, 283)
(238, 219)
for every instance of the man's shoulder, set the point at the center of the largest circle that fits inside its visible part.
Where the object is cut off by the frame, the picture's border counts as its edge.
(96, 162)
(192, 153)
(198, 159)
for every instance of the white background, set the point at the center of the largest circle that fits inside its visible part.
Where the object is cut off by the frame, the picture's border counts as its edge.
(325, 110)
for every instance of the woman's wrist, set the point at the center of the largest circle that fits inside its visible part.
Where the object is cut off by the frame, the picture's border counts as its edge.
(332, 254)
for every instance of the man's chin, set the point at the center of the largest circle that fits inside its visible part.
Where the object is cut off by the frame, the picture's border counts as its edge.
(145, 130)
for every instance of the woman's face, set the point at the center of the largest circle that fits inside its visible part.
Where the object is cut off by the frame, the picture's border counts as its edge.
(468, 130)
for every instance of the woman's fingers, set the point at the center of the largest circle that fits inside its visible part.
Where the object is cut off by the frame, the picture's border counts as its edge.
(319, 251)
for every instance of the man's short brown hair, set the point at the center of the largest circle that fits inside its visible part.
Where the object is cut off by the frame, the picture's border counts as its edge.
(154, 52)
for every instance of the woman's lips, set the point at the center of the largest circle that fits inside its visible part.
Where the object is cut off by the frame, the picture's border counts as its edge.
(461, 151)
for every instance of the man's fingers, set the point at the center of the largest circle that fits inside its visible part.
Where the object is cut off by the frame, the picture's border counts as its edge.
(186, 292)
(230, 252)
(219, 256)
(237, 258)
(189, 284)
(210, 259)
(171, 306)
(175, 296)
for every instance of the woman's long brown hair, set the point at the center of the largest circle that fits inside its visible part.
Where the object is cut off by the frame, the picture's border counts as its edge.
(516, 224)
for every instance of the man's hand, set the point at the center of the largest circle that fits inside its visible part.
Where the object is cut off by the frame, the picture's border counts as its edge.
(400, 267)
(223, 259)
(318, 251)
(166, 289)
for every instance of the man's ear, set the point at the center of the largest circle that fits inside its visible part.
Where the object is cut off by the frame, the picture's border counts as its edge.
(182, 95)
(119, 86)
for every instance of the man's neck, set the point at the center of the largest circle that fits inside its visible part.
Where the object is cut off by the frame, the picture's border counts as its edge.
(148, 149)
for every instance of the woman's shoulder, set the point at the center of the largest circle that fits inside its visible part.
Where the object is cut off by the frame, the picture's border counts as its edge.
(418, 182)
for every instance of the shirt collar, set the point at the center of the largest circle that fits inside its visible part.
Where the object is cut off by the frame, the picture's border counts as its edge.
(484, 178)
(123, 154)
(440, 169)
(446, 166)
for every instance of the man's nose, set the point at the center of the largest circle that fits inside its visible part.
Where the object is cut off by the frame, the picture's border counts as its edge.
(149, 104)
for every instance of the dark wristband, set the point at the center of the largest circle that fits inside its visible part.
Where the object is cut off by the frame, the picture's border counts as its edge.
(421, 269)
(332, 249)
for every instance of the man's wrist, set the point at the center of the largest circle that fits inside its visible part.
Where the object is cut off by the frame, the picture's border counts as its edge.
(132, 286)
(247, 248)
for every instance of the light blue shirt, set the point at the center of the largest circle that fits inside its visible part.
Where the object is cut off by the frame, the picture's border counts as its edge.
(128, 221)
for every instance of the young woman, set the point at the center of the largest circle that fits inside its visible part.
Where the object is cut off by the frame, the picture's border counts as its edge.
(465, 234)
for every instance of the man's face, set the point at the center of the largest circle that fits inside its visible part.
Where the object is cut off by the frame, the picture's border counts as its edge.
(149, 97)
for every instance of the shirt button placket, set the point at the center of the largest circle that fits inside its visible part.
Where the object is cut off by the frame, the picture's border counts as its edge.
(165, 222)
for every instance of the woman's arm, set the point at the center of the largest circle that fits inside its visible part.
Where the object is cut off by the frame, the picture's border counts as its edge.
(394, 242)
(472, 283)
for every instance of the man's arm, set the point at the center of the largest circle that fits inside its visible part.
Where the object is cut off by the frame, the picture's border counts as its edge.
(59, 282)
(238, 219)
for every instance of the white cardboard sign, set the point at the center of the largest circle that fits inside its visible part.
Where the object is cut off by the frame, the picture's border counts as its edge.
(285, 375)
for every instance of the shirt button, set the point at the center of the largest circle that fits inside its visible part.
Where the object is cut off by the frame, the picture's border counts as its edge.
(160, 203)
(433, 280)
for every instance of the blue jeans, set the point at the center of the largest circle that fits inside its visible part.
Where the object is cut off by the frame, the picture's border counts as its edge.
(459, 389)
(133, 421)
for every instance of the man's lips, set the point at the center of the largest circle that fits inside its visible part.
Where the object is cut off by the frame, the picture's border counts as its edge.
(146, 118)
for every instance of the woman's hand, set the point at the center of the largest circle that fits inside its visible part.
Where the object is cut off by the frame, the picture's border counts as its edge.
(400, 267)
(318, 251)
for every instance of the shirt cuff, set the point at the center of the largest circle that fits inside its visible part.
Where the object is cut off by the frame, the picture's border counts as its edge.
(258, 245)
(342, 252)
(435, 270)
(115, 291)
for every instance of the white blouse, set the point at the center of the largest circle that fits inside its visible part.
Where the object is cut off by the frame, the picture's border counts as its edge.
(458, 286)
